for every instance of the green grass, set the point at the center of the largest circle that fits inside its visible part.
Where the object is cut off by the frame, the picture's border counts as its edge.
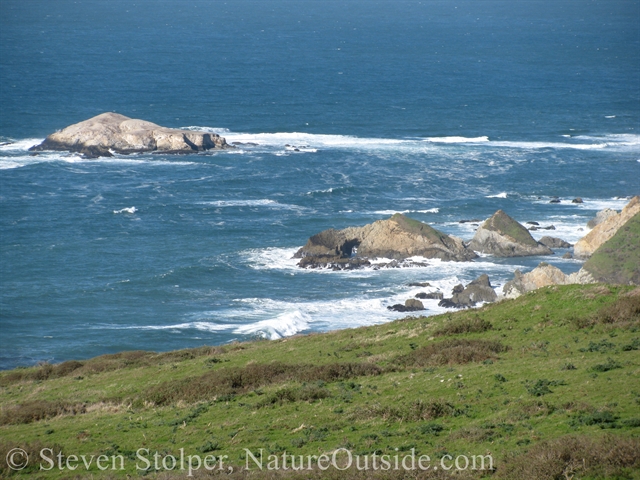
(618, 259)
(548, 383)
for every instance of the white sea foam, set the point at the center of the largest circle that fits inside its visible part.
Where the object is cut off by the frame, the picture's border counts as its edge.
(263, 202)
(20, 145)
(283, 325)
(457, 139)
(288, 141)
(498, 195)
(130, 210)
(392, 212)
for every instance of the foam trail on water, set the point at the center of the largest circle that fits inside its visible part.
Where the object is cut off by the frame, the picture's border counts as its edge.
(498, 195)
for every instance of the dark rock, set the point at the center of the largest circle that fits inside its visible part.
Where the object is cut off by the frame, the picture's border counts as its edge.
(577, 200)
(533, 223)
(554, 200)
(333, 262)
(419, 284)
(533, 229)
(567, 256)
(474, 220)
(554, 242)
(411, 305)
(479, 290)
(550, 227)
(449, 303)
(458, 289)
(430, 296)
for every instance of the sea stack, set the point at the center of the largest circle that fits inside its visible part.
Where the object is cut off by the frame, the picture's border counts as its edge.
(110, 133)
(502, 236)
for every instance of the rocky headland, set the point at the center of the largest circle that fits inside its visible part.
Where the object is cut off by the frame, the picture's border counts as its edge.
(112, 133)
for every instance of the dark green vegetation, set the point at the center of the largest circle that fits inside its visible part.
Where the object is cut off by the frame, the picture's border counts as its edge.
(618, 259)
(502, 223)
(547, 384)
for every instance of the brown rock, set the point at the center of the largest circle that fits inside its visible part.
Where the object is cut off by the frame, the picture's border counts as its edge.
(502, 236)
(542, 276)
(602, 232)
(398, 237)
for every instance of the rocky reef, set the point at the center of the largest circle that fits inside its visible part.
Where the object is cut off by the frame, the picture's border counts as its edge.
(109, 133)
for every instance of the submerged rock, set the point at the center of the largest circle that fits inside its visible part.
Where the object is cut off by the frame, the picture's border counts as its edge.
(502, 236)
(109, 133)
(605, 230)
(398, 238)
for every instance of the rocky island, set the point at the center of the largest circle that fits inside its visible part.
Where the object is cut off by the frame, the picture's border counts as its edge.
(398, 238)
(111, 133)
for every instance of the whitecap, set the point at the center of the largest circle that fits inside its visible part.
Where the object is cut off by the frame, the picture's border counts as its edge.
(129, 210)
(393, 212)
(497, 195)
(264, 202)
(457, 139)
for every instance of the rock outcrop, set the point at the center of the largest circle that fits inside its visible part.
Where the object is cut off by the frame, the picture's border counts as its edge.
(502, 236)
(602, 232)
(480, 290)
(554, 242)
(110, 133)
(618, 259)
(542, 276)
(410, 305)
(398, 237)
(601, 216)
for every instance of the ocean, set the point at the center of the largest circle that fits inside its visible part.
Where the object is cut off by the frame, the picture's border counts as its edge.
(345, 112)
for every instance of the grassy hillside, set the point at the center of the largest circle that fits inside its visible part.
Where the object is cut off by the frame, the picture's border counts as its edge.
(548, 385)
(618, 259)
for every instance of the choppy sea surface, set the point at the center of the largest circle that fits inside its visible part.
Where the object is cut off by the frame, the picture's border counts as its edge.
(343, 113)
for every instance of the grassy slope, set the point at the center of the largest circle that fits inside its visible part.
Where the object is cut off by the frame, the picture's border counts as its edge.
(572, 372)
(618, 259)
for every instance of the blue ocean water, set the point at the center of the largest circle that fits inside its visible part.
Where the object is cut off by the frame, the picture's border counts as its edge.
(346, 111)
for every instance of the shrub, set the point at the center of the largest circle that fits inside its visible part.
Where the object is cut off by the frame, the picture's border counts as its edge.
(35, 410)
(450, 352)
(464, 325)
(606, 457)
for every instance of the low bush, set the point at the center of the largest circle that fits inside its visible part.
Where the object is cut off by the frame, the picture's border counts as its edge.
(35, 410)
(451, 352)
(464, 325)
